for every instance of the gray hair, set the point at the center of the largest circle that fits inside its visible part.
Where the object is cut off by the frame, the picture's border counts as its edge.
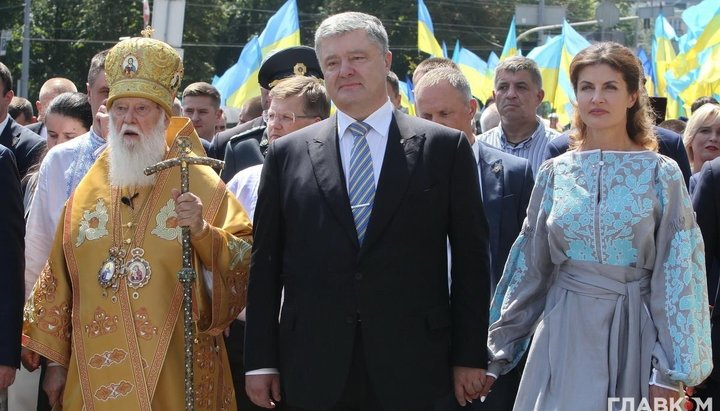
(490, 118)
(343, 23)
(519, 63)
(456, 79)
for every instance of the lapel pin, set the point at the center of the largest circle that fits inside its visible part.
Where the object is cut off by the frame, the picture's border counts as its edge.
(497, 167)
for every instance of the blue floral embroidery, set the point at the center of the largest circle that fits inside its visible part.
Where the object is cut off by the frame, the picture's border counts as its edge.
(685, 303)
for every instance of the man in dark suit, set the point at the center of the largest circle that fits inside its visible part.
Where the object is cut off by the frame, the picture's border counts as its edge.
(25, 145)
(443, 95)
(352, 220)
(669, 144)
(12, 264)
(706, 202)
(242, 150)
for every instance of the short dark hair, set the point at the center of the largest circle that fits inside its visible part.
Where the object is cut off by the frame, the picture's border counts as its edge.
(97, 65)
(203, 89)
(74, 105)
(394, 82)
(5, 78)
(701, 101)
(20, 106)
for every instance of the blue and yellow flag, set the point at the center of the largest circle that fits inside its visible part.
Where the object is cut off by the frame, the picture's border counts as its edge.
(407, 99)
(548, 58)
(510, 48)
(426, 33)
(475, 70)
(240, 82)
(282, 30)
(564, 97)
(648, 70)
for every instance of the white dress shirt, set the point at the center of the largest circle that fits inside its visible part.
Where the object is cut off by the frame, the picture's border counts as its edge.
(244, 186)
(377, 136)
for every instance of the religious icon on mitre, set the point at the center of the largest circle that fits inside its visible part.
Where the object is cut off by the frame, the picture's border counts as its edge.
(130, 65)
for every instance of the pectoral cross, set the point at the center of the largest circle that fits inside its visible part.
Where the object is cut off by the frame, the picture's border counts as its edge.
(187, 274)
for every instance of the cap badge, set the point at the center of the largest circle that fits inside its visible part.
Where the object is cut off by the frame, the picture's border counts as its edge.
(300, 69)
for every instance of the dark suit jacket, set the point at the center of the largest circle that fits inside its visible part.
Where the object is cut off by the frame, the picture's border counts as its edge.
(217, 146)
(507, 182)
(240, 154)
(36, 127)
(394, 287)
(669, 144)
(12, 260)
(25, 145)
(706, 202)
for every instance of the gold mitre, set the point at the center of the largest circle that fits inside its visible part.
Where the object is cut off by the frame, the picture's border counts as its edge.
(144, 67)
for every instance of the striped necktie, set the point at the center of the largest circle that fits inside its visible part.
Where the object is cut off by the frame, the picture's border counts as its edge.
(362, 179)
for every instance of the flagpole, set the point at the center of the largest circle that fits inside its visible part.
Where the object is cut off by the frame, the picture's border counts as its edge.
(559, 26)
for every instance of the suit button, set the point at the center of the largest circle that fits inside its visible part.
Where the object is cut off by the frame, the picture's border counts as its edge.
(350, 319)
(358, 276)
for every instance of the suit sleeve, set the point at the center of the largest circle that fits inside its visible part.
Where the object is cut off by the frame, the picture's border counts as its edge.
(706, 211)
(682, 160)
(264, 289)
(527, 185)
(470, 271)
(12, 232)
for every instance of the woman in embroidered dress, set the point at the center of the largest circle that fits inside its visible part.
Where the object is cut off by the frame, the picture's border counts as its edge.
(608, 273)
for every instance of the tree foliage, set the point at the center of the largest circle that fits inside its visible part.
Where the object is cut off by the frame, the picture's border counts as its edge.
(67, 33)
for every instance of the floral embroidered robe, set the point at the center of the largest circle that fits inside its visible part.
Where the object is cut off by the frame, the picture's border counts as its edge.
(124, 347)
(608, 278)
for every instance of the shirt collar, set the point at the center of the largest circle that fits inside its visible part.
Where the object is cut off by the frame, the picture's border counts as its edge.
(378, 121)
(525, 143)
(476, 150)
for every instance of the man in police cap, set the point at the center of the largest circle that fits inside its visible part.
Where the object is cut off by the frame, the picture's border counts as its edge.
(247, 147)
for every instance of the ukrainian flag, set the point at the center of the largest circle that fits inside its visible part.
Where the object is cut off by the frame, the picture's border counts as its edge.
(648, 70)
(475, 70)
(240, 82)
(407, 99)
(426, 34)
(548, 57)
(696, 72)
(282, 30)
(510, 48)
(564, 97)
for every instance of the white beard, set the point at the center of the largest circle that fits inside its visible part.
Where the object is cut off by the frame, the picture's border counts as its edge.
(128, 159)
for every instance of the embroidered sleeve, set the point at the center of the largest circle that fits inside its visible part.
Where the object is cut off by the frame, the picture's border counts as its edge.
(519, 297)
(678, 302)
(224, 251)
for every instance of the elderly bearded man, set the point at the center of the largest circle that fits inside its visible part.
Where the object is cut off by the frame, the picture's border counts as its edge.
(106, 310)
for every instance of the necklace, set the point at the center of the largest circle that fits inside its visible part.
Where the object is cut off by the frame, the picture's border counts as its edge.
(136, 270)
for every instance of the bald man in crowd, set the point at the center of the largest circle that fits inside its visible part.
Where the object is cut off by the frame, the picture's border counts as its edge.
(49, 90)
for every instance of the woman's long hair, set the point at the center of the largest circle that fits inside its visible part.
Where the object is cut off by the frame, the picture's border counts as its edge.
(639, 119)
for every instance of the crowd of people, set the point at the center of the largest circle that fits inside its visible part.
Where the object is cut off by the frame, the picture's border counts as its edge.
(350, 256)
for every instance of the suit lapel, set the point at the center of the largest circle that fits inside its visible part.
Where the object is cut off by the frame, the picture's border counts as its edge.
(401, 154)
(491, 176)
(327, 167)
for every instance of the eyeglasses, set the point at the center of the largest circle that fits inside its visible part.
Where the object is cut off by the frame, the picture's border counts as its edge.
(284, 118)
